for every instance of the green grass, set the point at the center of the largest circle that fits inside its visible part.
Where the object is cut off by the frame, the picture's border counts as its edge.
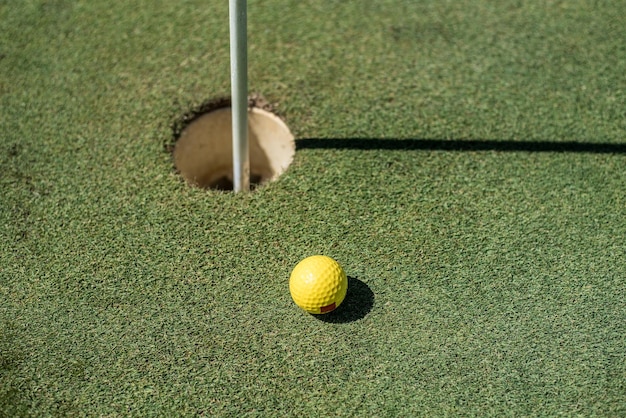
(497, 271)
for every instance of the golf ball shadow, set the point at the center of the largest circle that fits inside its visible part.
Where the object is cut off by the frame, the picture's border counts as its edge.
(357, 304)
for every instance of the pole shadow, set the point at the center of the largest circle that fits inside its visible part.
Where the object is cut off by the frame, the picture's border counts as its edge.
(357, 304)
(461, 145)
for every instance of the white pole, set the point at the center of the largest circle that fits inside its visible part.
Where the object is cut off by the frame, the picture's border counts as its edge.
(239, 91)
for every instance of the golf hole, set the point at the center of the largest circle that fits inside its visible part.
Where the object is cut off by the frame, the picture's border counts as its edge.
(203, 153)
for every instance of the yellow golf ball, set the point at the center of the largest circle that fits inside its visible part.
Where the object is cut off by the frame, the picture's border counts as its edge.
(318, 284)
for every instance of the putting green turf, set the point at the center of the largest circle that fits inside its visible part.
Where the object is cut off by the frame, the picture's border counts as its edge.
(464, 161)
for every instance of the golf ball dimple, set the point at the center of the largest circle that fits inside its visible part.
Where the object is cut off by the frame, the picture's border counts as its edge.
(318, 284)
